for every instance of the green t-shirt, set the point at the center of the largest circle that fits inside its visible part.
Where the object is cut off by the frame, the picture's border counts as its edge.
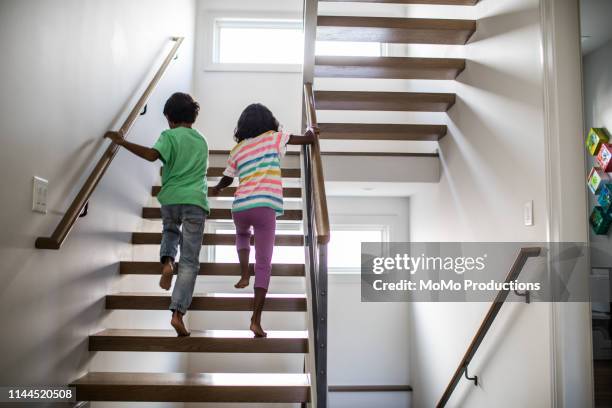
(184, 152)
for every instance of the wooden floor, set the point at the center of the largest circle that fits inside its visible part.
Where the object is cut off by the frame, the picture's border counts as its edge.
(210, 269)
(439, 2)
(388, 67)
(154, 238)
(235, 302)
(206, 387)
(395, 30)
(603, 383)
(208, 341)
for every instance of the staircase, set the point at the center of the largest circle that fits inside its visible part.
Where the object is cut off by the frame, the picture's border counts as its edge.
(307, 384)
(386, 30)
(215, 387)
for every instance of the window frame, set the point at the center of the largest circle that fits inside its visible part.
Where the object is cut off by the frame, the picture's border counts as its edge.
(383, 228)
(212, 39)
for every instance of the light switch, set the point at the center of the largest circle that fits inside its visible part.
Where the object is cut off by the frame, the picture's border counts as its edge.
(528, 214)
(39, 195)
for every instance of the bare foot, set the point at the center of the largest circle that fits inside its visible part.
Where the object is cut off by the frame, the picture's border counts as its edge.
(257, 330)
(242, 283)
(165, 282)
(179, 326)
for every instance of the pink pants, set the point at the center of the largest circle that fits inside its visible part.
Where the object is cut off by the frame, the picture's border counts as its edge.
(263, 221)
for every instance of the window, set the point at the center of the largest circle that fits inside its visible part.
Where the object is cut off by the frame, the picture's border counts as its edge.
(257, 44)
(344, 251)
(254, 42)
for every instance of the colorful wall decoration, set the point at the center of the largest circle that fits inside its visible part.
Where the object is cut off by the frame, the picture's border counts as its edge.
(599, 182)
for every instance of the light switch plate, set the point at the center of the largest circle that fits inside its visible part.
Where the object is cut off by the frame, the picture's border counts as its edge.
(39, 195)
(528, 214)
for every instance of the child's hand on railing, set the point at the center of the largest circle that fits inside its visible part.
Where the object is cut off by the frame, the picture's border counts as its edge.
(115, 137)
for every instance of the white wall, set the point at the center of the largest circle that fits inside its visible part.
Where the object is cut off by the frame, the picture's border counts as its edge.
(223, 94)
(493, 161)
(368, 342)
(68, 71)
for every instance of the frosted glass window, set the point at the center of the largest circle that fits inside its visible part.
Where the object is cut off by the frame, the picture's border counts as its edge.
(242, 41)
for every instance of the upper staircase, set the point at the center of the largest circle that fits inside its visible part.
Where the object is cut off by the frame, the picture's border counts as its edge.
(399, 66)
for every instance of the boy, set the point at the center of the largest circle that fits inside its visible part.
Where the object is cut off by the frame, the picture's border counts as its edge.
(183, 198)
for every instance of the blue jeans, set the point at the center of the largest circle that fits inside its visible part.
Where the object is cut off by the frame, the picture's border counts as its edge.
(192, 219)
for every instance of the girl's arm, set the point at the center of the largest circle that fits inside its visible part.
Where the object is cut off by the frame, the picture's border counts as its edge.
(141, 151)
(223, 183)
(305, 139)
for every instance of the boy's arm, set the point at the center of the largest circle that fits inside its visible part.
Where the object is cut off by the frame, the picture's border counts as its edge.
(306, 139)
(223, 183)
(141, 151)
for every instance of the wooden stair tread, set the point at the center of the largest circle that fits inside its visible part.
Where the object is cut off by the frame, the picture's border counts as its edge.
(440, 2)
(370, 131)
(210, 269)
(288, 192)
(218, 172)
(222, 214)
(395, 30)
(197, 387)
(208, 341)
(210, 301)
(384, 101)
(388, 67)
(153, 238)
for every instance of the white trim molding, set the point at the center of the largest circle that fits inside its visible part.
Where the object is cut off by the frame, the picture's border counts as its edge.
(570, 323)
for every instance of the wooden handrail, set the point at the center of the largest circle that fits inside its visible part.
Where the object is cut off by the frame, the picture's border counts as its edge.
(517, 267)
(320, 202)
(62, 230)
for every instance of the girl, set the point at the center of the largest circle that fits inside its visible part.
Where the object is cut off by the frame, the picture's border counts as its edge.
(258, 200)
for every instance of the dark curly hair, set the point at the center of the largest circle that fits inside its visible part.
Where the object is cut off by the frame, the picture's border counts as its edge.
(181, 108)
(255, 120)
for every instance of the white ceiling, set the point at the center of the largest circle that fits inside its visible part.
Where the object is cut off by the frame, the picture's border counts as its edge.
(595, 16)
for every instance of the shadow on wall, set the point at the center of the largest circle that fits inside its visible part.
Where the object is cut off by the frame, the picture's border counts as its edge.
(61, 336)
(502, 23)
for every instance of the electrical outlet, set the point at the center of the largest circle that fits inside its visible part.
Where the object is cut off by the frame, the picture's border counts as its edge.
(528, 214)
(39, 195)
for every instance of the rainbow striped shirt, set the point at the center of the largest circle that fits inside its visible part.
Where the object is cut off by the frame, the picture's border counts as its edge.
(256, 163)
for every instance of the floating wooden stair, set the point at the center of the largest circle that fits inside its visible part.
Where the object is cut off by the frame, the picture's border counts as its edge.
(209, 341)
(367, 131)
(215, 301)
(395, 30)
(154, 238)
(175, 387)
(388, 67)
(209, 269)
(218, 172)
(222, 214)
(440, 2)
(288, 192)
(384, 101)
